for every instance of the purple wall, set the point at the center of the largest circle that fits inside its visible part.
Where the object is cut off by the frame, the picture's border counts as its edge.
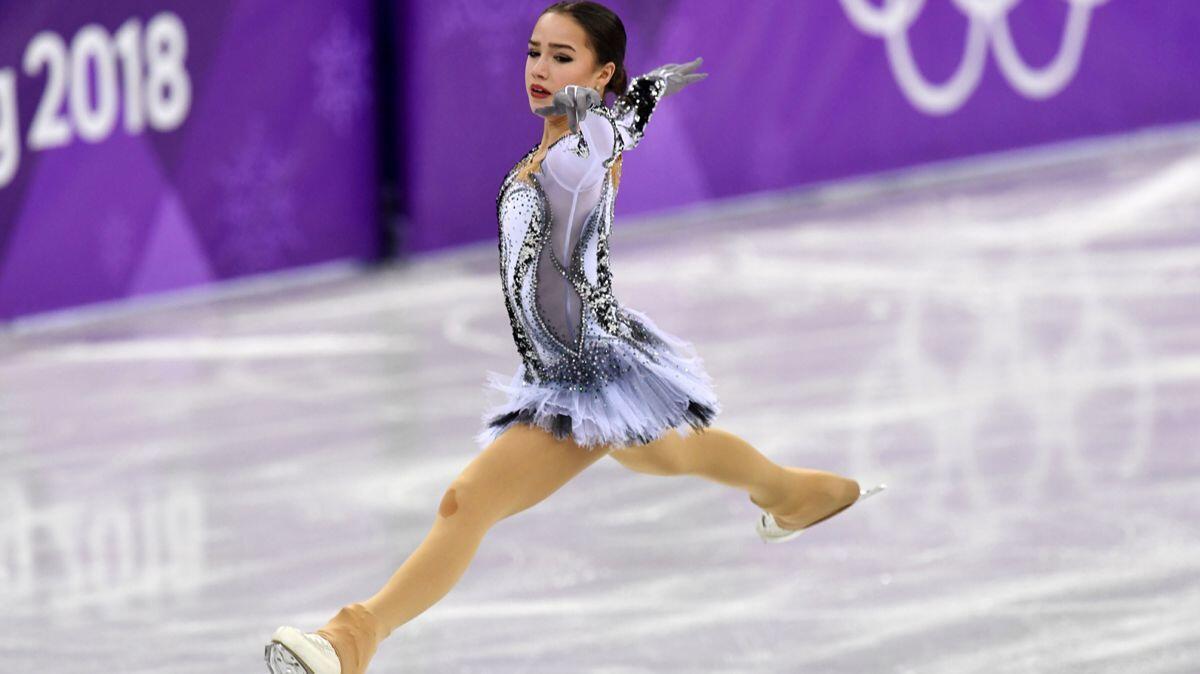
(270, 164)
(798, 92)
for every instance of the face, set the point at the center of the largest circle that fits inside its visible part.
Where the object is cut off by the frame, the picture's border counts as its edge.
(558, 55)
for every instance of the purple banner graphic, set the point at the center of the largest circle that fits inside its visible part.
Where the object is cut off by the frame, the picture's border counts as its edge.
(147, 146)
(797, 93)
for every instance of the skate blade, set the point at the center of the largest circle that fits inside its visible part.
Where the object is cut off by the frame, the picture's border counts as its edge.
(281, 660)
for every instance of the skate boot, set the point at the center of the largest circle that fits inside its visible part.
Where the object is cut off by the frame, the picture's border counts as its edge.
(343, 646)
(770, 531)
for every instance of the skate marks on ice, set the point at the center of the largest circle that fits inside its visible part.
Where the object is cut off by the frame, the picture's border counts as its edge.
(1014, 350)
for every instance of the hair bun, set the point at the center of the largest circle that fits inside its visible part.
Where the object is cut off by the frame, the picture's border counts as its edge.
(619, 82)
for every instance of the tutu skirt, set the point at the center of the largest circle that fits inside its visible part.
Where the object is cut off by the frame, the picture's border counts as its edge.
(650, 397)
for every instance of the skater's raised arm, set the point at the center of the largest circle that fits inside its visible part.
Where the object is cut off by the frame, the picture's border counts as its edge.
(632, 110)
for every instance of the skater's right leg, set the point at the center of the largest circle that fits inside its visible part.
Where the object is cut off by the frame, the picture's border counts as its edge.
(523, 466)
(795, 496)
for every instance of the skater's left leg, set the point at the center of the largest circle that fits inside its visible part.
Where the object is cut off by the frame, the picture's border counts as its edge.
(521, 468)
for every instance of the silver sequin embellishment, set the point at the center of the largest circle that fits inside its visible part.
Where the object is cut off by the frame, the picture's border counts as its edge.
(589, 362)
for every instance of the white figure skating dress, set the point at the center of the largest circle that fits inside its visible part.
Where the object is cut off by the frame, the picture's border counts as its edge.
(591, 369)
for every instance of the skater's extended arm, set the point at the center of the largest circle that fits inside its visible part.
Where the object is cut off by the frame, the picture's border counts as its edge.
(606, 132)
(632, 110)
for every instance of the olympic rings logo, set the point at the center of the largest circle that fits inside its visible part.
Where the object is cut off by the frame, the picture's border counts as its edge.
(987, 25)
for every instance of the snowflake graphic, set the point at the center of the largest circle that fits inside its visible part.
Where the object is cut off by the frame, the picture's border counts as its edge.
(342, 74)
(257, 206)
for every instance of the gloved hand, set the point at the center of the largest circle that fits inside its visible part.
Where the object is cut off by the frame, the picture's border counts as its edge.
(678, 75)
(573, 101)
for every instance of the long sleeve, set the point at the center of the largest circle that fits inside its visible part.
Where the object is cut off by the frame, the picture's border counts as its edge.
(631, 111)
(605, 132)
(578, 163)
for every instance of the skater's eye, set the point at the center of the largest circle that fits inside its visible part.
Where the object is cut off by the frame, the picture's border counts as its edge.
(560, 58)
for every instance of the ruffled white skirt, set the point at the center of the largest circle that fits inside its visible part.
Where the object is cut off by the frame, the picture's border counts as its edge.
(649, 398)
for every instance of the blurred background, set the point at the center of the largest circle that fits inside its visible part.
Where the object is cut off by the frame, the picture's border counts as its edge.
(248, 296)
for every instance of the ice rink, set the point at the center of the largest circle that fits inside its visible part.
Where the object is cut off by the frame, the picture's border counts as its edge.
(1011, 343)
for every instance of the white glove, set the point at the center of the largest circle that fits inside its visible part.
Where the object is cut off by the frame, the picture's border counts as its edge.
(573, 101)
(678, 75)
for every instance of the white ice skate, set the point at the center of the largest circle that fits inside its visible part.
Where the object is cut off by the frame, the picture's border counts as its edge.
(294, 652)
(771, 532)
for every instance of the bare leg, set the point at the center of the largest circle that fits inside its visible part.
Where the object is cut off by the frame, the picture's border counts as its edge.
(516, 471)
(796, 497)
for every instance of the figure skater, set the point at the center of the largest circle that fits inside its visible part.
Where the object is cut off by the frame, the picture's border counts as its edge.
(596, 378)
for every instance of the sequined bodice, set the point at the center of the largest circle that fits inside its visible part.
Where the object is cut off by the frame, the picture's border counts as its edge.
(553, 244)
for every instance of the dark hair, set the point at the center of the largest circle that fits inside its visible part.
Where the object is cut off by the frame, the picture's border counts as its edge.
(606, 37)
